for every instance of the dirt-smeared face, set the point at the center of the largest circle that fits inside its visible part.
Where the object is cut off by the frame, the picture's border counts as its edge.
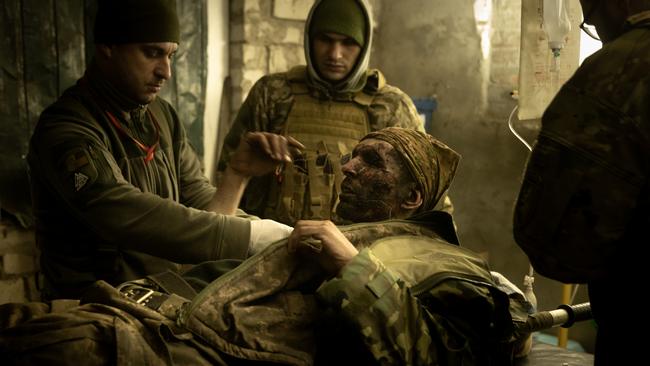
(375, 184)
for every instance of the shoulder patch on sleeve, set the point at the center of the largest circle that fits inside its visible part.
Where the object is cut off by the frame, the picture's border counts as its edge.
(80, 180)
(78, 169)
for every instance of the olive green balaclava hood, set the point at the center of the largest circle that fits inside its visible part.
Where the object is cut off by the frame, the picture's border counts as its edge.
(141, 21)
(339, 16)
(348, 17)
(431, 163)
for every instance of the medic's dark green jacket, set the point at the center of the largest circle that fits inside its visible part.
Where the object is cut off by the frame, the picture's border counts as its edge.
(102, 211)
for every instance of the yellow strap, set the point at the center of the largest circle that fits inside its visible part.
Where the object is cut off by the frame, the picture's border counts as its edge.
(363, 99)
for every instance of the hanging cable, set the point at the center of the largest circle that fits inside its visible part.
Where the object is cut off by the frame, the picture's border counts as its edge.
(512, 129)
(529, 279)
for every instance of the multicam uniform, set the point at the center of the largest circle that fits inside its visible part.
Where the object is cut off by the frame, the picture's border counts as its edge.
(585, 192)
(102, 210)
(329, 125)
(410, 297)
(584, 204)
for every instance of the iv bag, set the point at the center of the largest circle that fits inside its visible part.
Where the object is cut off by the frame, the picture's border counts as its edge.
(556, 23)
(537, 84)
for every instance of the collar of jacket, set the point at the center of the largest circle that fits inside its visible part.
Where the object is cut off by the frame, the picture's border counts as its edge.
(111, 99)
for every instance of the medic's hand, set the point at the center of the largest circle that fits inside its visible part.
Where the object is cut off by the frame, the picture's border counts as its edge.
(324, 242)
(260, 153)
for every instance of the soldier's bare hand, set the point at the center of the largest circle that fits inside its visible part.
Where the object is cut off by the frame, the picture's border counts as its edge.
(324, 242)
(259, 153)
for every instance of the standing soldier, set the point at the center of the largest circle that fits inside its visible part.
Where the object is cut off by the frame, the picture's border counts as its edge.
(584, 204)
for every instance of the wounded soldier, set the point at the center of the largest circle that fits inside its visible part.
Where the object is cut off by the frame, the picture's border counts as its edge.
(394, 287)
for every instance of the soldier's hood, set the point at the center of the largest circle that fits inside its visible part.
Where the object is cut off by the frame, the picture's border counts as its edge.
(356, 80)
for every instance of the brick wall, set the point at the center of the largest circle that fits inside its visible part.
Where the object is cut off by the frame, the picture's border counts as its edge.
(267, 37)
(19, 279)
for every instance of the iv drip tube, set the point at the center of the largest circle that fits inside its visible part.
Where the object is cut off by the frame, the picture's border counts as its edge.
(568, 293)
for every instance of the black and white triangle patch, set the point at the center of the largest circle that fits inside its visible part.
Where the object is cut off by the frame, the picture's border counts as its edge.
(80, 181)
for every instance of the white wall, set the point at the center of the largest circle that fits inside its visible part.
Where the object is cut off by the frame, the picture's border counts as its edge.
(218, 46)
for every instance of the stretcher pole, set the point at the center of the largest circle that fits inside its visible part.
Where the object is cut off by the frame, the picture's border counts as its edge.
(563, 333)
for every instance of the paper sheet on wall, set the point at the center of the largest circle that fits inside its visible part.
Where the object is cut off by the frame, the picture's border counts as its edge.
(537, 83)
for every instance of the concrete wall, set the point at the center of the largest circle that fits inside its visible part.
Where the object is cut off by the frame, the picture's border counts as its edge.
(217, 92)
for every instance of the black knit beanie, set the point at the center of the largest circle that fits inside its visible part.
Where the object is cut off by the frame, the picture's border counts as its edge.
(339, 16)
(136, 21)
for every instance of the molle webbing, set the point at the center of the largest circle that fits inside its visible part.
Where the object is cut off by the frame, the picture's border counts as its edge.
(312, 121)
(329, 129)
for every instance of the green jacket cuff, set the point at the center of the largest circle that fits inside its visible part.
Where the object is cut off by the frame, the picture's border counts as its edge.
(236, 232)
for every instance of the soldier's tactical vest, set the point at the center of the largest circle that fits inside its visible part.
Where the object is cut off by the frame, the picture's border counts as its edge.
(329, 129)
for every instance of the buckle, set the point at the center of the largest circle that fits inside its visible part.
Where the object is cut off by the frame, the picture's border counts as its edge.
(136, 293)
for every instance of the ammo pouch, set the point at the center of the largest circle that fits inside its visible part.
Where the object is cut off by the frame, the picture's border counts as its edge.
(309, 187)
(329, 128)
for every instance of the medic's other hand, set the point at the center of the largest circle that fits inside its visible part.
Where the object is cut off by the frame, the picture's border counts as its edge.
(260, 153)
(323, 242)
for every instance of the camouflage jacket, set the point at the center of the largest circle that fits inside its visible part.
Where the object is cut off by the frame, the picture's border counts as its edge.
(102, 212)
(584, 198)
(409, 298)
(270, 101)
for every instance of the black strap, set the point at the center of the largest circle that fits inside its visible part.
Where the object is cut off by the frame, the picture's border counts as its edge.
(173, 283)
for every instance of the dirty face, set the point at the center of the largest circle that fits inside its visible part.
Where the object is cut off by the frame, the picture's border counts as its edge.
(139, 70)
(375, 184)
